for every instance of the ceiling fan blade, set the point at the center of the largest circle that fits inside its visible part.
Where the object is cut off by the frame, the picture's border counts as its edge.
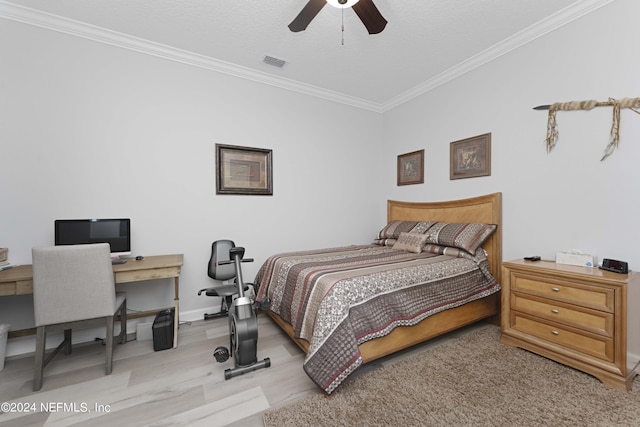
(306, 15)
(370, 16)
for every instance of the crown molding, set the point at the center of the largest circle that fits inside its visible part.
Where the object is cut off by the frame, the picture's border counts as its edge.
(52, 22)
(539, 29)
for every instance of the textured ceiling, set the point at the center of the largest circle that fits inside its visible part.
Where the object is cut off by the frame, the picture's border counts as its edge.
(423, 42)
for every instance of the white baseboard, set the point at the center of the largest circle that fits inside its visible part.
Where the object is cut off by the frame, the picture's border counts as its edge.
(193, 315)
(21, 346)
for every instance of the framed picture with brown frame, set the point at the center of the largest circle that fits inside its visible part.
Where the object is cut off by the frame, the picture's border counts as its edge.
(411, 168)
(470, 157)
(243, 170)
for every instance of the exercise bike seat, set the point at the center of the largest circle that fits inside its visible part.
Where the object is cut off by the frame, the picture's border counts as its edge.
(220, 291)
(221, 268)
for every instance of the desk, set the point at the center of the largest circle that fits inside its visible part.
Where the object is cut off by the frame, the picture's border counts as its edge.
(18, 280)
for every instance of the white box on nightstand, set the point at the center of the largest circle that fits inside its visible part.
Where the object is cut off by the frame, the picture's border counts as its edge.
(583, 260)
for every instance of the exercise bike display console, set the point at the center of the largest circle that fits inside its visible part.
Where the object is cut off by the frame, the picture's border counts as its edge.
(243, 326)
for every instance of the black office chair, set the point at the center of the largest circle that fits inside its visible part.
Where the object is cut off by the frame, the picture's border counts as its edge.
(225, 272)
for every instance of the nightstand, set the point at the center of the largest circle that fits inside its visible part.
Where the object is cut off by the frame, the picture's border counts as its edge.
(583, 317)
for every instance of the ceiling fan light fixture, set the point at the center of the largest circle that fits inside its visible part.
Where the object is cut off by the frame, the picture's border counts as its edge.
(342, 4)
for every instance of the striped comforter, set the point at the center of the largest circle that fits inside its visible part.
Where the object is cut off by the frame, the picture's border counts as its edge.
(339, 298)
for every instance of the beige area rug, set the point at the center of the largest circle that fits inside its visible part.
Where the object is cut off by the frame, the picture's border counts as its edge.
(469, 381)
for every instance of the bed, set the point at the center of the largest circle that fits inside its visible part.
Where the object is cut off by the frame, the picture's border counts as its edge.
(351, 305)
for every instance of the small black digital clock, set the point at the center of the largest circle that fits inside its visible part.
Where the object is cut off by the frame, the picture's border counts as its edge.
(615, 266)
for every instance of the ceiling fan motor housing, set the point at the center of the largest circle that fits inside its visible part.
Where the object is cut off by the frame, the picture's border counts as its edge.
(365, 9)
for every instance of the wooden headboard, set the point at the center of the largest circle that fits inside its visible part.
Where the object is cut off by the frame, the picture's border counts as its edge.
(482, 209)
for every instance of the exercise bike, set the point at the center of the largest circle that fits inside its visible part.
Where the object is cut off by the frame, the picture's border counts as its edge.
(243, 327)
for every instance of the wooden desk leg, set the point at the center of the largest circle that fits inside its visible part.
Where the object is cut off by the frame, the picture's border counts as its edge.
(176, 321)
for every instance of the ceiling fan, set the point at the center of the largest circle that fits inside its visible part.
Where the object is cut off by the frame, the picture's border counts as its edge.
(365, 9)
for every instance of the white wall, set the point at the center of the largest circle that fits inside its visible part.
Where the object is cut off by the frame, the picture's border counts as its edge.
(567, 199)
(90, 130)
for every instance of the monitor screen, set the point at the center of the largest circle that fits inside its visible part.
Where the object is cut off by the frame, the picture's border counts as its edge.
(115, 231)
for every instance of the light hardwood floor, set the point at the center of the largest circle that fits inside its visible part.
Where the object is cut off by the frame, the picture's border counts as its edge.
(183, 386)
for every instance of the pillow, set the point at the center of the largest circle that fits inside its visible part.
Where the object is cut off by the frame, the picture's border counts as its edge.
(423, 227)
(464, 236)
(390, 232)
(385, 242)
(394, 228)
(412, 242)
(445, 250)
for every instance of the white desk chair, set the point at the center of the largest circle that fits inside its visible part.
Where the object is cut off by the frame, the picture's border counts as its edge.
(73, 286)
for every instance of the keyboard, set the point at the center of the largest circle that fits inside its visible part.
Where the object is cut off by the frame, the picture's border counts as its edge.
(118, 261)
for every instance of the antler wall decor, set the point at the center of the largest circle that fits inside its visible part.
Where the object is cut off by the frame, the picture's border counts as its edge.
(552, 127)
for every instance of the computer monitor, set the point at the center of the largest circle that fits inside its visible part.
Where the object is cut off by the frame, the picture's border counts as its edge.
(114, 231)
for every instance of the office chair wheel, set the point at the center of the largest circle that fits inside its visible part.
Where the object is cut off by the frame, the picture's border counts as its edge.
(221, 354)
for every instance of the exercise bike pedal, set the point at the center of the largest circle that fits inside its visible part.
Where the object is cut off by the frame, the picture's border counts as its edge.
(221, 354)
(263, 305)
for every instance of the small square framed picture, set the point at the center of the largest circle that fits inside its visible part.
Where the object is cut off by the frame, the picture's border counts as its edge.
(411, 168)
(470, 157)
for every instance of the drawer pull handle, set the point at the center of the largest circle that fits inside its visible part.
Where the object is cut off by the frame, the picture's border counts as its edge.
(555, 289)
(555, 332)
(555, 311)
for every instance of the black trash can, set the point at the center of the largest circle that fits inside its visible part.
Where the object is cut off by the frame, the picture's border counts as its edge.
(163, 330)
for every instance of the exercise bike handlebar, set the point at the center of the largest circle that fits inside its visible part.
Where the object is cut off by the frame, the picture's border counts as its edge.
(230, 261)
(236, 254)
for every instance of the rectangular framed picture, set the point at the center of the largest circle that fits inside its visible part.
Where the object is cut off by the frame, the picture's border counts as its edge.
(411, 168)
(243, 170)
(471, 157)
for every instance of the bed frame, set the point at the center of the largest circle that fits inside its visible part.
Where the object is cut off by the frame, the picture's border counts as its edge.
(483, 209)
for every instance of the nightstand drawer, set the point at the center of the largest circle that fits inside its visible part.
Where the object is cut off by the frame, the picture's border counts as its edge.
(598, 298)
(598, 322)
(589, 344)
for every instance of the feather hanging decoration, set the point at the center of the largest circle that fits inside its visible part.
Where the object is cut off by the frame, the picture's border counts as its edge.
(552, 126)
